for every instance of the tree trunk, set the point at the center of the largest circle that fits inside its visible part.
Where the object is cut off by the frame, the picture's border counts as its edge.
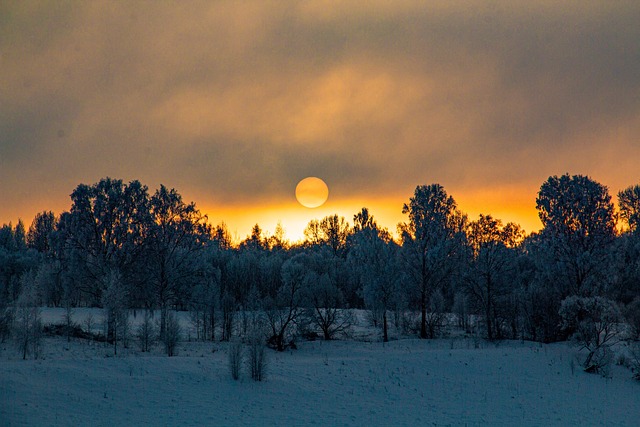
(489, 323)
(423, 321)
(385, 336)
(488, 313)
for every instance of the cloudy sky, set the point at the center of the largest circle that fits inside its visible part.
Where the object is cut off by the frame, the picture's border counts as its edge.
(233, 102)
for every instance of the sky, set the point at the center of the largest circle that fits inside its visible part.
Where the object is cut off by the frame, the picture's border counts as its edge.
(233, 102)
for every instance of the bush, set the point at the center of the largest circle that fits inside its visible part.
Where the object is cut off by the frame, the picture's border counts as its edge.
(146, 333)
(6, 323)
(28, 331)
(632, 316)
(592, 321)
(235, 359)
(634, 349)
(171, 335)
(257, 360)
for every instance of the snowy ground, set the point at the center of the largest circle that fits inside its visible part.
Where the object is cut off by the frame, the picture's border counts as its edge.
(405, 382)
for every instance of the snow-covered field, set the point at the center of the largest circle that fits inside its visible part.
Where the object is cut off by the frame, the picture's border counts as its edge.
(404, 382)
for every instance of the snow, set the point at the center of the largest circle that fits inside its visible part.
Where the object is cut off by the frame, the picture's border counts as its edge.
(458, 381)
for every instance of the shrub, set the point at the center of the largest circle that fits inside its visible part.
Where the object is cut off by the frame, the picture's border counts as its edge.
(235, 359)
(592, 321)
(257, 360)
(171, 335)
(632, 316)
(6, 323)
(146, 333)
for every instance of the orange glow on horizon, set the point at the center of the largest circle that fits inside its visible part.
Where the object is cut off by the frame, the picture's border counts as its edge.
(506, 204)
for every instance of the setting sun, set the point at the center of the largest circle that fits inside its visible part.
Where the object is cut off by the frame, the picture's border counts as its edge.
(312, 192)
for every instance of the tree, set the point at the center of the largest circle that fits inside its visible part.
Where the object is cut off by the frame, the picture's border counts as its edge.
(593, 322)
(103, 231)
(28, 321)
(175, 243)
(257, 359)
(493, 259)
(627, 247)
(172, 333)
(579, 224)
(255, 241)
(629, 206)
(222, 237)
(322, 300)
(7, 238)
(114, 301)
(432, 242)
(203, 305)
(41, 231)
(283, 308)
(15, 260)
(146, 332)
(277, 241)
(234, 357)
(373, 255)
(20, 236)
(332, 231)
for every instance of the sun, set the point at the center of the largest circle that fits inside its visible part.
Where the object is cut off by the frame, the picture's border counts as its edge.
(312, 192)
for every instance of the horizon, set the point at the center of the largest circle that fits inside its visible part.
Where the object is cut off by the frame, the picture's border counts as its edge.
(294, 217)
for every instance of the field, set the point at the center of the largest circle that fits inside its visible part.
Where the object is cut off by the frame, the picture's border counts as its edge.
(452, 381)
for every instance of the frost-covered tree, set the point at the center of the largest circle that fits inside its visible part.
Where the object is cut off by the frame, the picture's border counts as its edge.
(373, 256)
(41, 231)
(632, 317)
(174, 255)
(146, 332)
(205, 299)
(489, 281)
(172, 333)
(284, 307)
(322, 302)
(572, 254)
(629, 207)
(20, 236)
(15, 260)
(593, 322)
(103, 230)
(257, 360)
(579, 227)
(28, 322)
(432, 242)
(234, 358)
(114, 301)
(626, 259)
(332, 231)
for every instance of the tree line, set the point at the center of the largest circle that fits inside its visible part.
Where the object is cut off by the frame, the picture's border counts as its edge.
(121, 247)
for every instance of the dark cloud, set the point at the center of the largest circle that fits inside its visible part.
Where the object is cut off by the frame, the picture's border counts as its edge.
(238, 100)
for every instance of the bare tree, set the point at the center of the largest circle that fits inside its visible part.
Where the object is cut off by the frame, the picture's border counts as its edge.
(114, 300)
(323, 300)
(594, 323)
(172, 333)
(284, 308)
(146, 332)
(28, 321)
(257, 358)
